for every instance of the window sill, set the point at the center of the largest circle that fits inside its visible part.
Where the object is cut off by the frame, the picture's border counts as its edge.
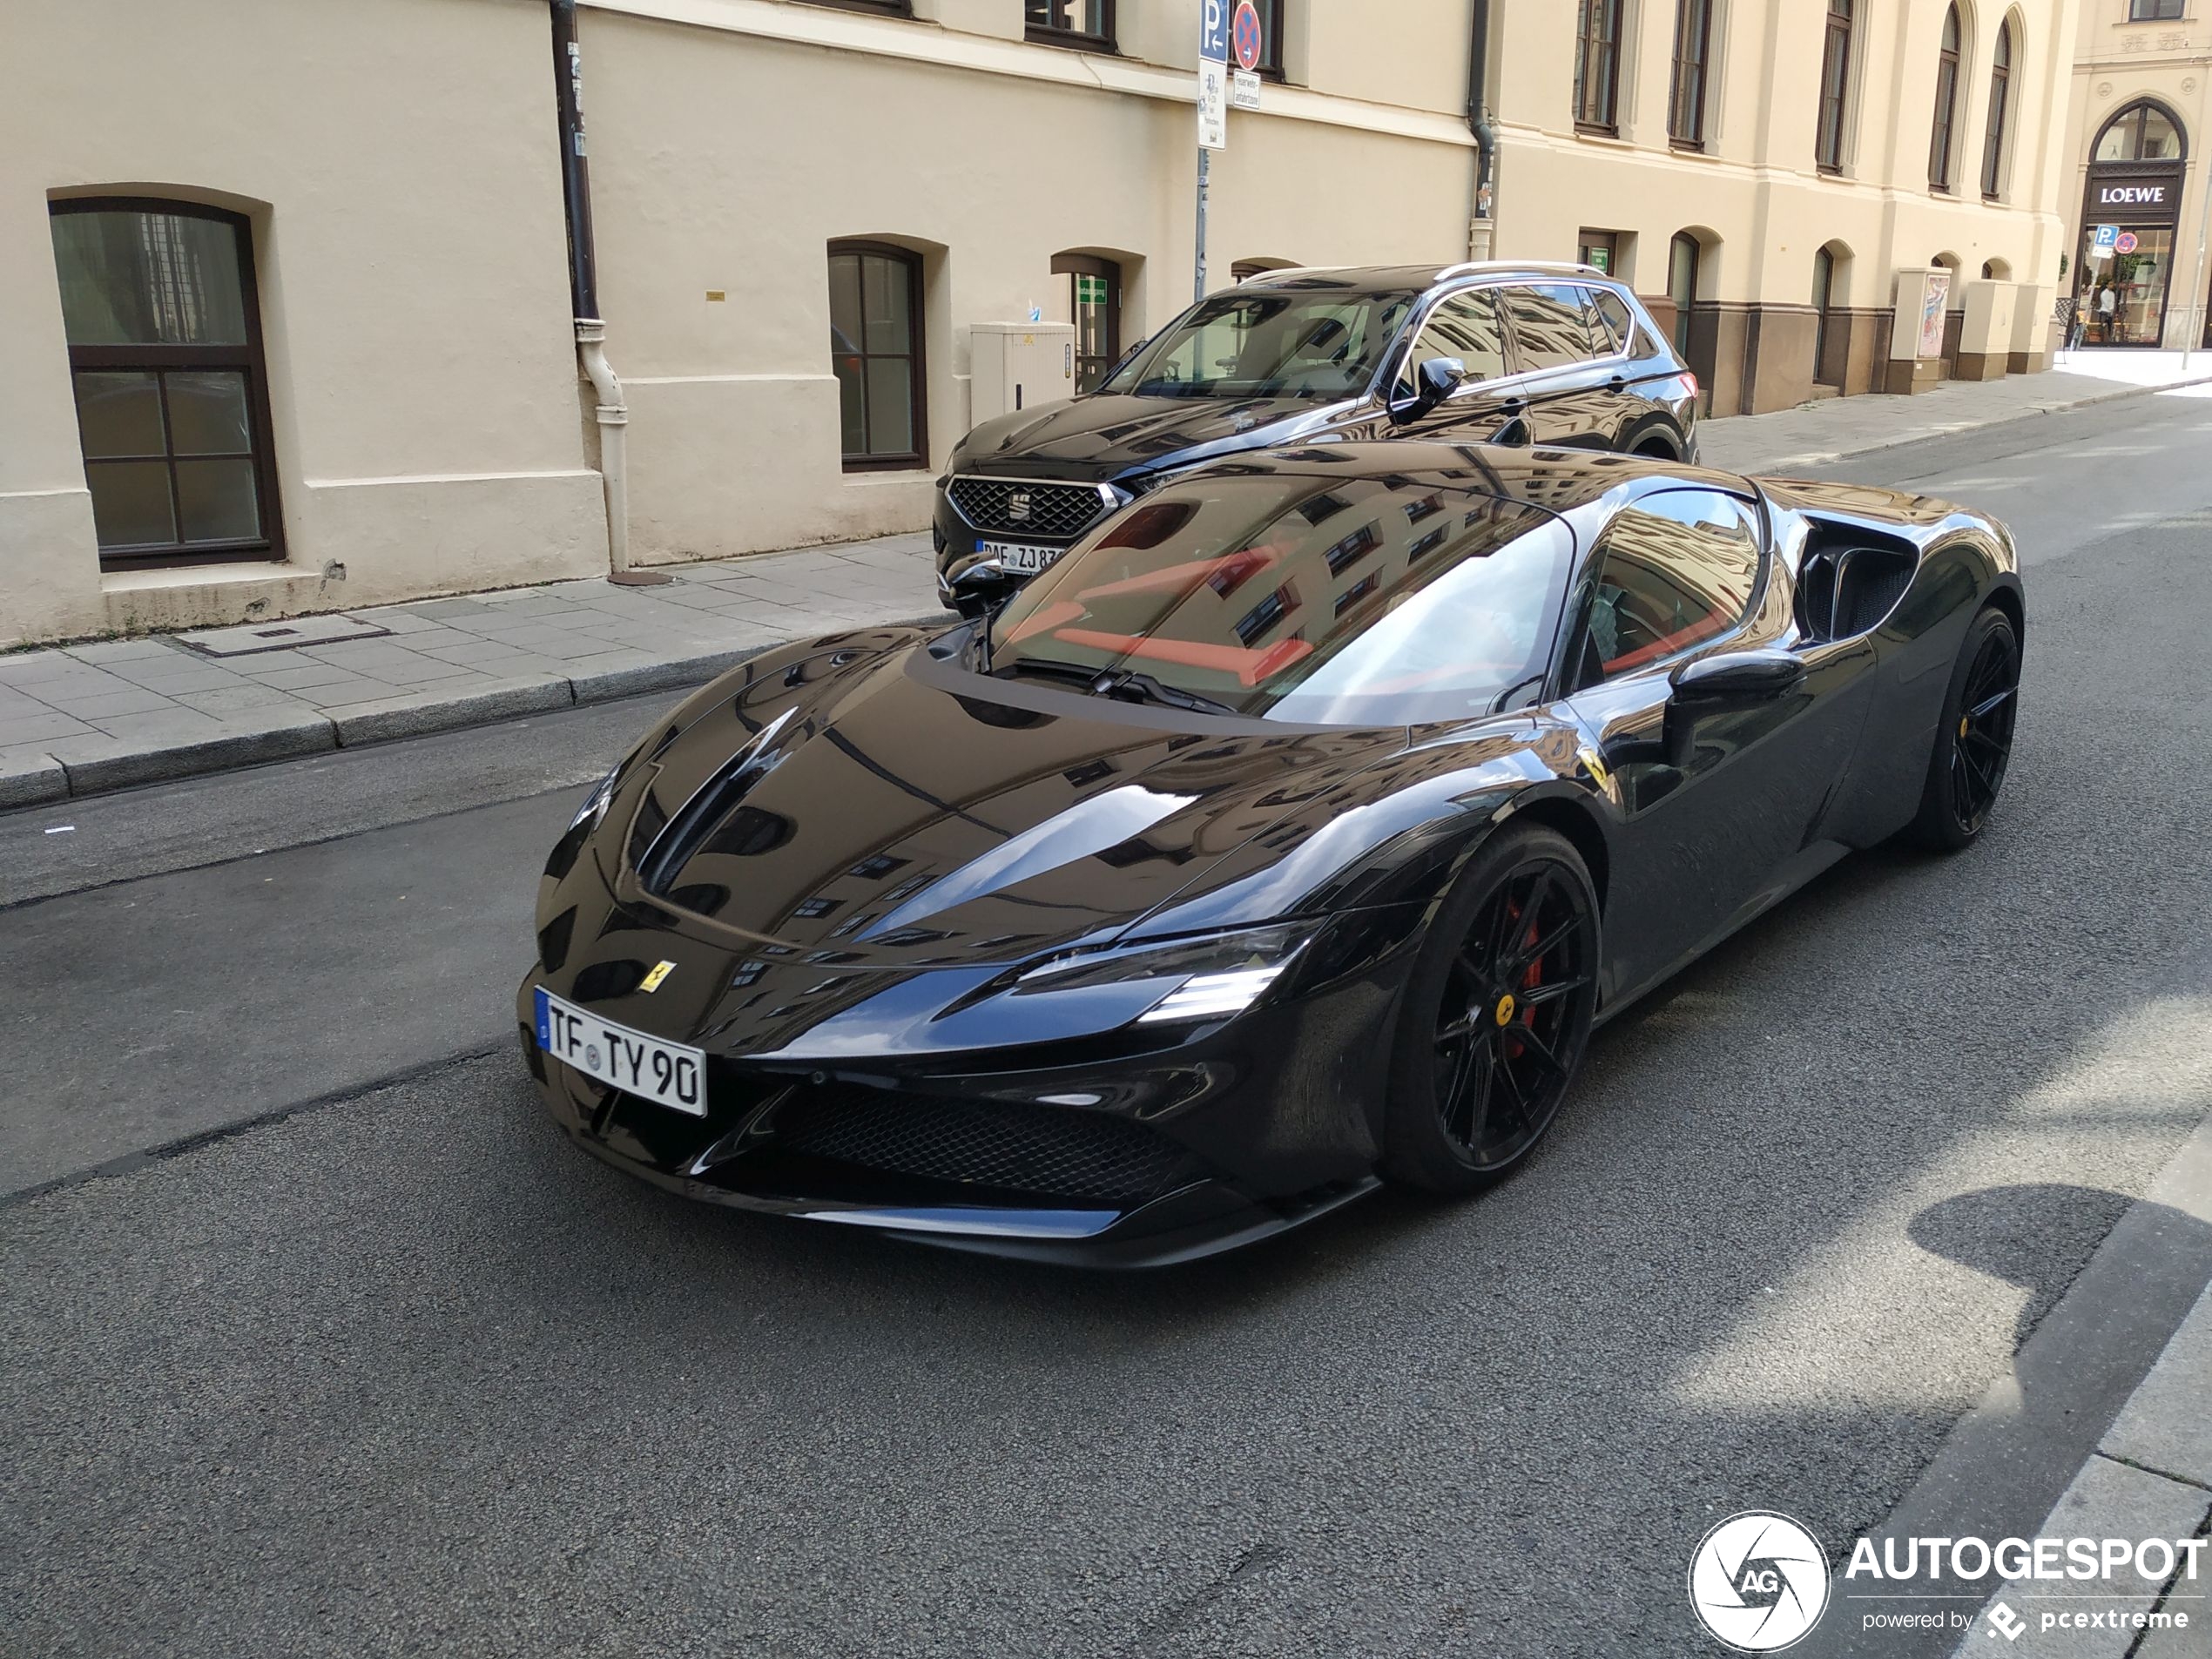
(1686, 147)
(899, 469)
(1594, 130)
(1069, 41)
(223, 567)
(870, 7)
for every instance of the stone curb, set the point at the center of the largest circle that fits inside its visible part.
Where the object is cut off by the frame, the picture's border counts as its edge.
(97, 765)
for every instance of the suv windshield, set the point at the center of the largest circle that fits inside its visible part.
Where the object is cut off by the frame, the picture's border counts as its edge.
(1322, 602)
(1270, 342)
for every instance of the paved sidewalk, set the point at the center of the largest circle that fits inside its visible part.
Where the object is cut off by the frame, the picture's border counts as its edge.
(2151, 1477)
(83, 718)
(79, 720)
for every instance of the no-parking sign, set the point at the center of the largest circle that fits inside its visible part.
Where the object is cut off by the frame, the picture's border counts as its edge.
(1245, 34)
(2125, 242)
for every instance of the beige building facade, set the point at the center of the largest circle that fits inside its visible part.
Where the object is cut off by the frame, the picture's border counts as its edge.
(1763, 171)
(2142, 102)
(294, 327)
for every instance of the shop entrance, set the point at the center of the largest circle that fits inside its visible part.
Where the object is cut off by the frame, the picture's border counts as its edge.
(2124, 264)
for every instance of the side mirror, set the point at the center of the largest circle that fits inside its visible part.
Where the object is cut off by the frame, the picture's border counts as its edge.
(1434, 382)
(1733, 680)
(981, 589)
(1737, 679)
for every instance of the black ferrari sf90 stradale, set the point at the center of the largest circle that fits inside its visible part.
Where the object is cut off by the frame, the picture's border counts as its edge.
(1287, 836)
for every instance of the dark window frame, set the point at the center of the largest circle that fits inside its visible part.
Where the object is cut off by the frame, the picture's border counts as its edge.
(2133, 118)
(250, 358)
(1943, 130)
(1058, 33)
(1685, 303)
(2001, 99)
(917, 335)
(1271, 39)
(2157, 11)
(1597, 44)
(1076, 265)
(1833, 107)
(1686, 100)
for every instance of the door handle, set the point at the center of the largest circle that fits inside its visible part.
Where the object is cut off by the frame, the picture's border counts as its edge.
(1618, 383)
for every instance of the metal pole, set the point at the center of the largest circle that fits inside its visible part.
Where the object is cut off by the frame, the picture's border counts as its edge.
(1198, 282)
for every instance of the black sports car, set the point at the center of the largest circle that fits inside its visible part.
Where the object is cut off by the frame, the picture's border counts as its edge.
(1289, 834)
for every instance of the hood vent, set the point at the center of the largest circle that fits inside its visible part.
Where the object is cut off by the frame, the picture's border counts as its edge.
(659, 857)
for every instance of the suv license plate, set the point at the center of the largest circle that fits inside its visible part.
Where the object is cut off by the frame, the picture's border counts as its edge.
(1020, 558)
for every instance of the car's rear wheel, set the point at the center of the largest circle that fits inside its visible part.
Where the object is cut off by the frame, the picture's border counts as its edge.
(1496, 1016)
(1973, 744)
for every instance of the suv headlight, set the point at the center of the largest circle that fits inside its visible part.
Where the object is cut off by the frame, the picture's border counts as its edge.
(1211, 977)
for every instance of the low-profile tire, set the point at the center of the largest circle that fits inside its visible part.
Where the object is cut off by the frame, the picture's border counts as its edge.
(1496, 1016)
(1973, 742)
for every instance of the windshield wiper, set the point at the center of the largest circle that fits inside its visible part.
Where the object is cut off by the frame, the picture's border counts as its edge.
(1132, 687)
(1124, 684)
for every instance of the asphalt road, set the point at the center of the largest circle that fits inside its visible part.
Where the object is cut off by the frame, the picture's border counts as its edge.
(381, 1365)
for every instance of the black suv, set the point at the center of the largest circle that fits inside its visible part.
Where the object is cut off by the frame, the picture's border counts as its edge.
(1524, 354)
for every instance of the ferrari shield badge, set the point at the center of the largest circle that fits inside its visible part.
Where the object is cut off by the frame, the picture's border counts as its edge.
(661, 971)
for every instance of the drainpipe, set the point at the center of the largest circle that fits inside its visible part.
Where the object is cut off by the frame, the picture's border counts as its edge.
(612, 414)
(1486, 136)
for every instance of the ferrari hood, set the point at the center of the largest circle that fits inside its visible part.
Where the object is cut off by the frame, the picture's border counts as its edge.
(1104, 436)
(896, 823)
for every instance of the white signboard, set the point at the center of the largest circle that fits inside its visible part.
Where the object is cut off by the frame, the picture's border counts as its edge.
(1243, 90)
(1213, 105)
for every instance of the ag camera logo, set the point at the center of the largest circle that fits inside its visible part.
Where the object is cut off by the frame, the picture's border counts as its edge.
(1758, 1583)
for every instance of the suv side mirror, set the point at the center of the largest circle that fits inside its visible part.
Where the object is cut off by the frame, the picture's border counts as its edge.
(981, 589)
(1434, 382)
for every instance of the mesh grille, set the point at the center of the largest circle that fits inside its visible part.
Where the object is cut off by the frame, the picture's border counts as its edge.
(1070, 1154)
(1013, 507)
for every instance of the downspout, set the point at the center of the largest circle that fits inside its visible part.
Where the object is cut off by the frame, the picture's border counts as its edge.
(1486, 136)
(612, 414)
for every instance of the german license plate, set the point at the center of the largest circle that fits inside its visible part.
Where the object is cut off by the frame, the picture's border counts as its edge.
(668, 1074)
(1020, 558)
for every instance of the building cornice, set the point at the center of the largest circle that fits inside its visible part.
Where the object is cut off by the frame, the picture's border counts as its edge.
(917, 40)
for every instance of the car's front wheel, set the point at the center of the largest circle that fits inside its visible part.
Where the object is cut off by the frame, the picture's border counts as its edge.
(1973, 743)
(1496, 1016)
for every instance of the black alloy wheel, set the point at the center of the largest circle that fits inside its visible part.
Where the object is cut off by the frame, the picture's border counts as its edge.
(1498, 1012)
(1975, 745)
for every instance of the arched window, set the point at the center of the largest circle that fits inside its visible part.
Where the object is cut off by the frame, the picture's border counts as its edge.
(165, 349)
(1827, 339)
(2142, 131)
(875, 348)
(1597, 66)
(2000, 93)
(1693, 63)
(1684, 254)
(1940, 146)
(1835, 87)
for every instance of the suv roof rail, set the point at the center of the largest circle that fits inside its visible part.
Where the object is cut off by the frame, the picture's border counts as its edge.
(1290, 270)
(1477, 267)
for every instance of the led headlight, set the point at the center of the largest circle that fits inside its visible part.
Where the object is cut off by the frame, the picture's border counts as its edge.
(1212, 977)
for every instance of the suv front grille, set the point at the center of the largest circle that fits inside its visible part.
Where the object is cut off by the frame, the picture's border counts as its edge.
(1065, 1153)
(1017, 506)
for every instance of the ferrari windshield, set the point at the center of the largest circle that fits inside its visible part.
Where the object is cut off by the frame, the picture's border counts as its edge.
(1270, 342)
(1320, 601)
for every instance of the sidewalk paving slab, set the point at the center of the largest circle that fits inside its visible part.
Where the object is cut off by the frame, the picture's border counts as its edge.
(106, 714)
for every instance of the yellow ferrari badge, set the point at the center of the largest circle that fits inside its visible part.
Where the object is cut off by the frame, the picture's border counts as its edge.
(1593, 764)
(661, 971)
